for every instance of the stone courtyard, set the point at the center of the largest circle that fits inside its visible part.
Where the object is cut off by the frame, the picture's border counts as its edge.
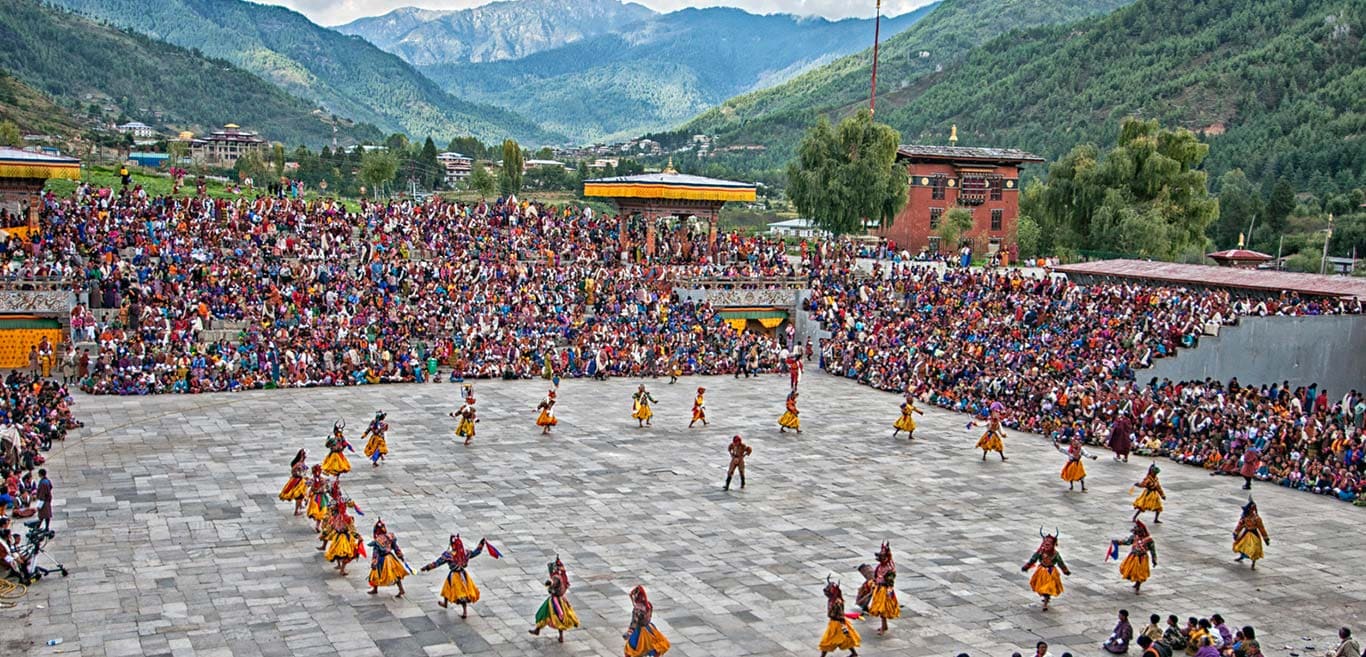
(167, 518)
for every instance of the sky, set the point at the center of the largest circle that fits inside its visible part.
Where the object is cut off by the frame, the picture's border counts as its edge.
(336, 12)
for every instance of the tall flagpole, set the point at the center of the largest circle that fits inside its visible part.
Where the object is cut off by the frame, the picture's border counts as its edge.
(877, 36)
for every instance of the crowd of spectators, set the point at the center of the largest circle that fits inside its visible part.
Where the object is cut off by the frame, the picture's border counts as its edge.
(1051, 356)
(34, 412)
(195, 294)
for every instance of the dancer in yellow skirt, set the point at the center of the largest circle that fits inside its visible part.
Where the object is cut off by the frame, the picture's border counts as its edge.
(907, 420)
(1249, 535)
(317, 498)
(377, 445)
(1151, 497)
(1046, 581)
(699, 408)
(459, 587)
(839, 632)
(466, 415)
(386, 566)
(1074, 472)
(344, 542)
(640, 407)
(336, 463)
(643, 639)
(883, 603)
(991, 441)
(546, 418)
(789, 419)
(556, 612)
(296, 489)
(1137, 566)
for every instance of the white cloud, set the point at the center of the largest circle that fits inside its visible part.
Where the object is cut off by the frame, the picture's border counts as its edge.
(336, 12)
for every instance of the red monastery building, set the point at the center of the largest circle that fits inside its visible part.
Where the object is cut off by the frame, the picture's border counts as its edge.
(984, 181)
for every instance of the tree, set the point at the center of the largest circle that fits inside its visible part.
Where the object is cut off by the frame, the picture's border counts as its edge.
(1239, 204)
(432, 171)
(847, 174)
(957, 222)
(1144, 197)
(176, 151)
(481, 180)
(1027, 236)
(9, 135)
(1279, 206)
(376, 168)
(396, 143)
(278, 153)
(510, 177)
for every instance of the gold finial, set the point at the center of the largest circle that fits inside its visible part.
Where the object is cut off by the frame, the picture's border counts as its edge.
(953, 135)
(1240, 240)
(669, 168)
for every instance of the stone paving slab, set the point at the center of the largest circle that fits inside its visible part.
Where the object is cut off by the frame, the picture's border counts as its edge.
(168, 519)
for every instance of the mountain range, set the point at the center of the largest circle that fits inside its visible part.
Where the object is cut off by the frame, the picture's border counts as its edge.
(343, 74)
(493, 32)
(659, 72)
(1274, 86)
(81, 63)
(776, 117)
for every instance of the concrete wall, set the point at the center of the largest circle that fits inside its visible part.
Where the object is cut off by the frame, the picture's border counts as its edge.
(1330, 351)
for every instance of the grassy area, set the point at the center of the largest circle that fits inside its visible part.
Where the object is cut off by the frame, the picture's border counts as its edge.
(160, 184)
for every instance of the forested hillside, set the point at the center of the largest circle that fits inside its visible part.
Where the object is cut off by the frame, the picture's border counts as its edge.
(662, 71)
(81, 62)
(1277, 87)
(33, 112)
(777, 117)
(346, 75)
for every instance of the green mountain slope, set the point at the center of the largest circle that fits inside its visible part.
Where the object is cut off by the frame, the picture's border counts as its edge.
(492, 32)
(344, 74)
(659, 72)
(77, 61)
(1278, 86)
(33, 111)
(776, 117)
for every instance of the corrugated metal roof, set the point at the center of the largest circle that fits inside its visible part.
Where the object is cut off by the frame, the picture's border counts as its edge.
(967, 153)
(1250, 279)
(29, 157)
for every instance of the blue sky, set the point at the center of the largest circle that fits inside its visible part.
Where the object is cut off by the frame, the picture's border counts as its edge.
(336, 12)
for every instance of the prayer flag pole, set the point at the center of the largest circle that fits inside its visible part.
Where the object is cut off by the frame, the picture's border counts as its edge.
(877, 34)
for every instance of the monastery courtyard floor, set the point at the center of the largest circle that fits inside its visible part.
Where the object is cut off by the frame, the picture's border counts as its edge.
(168, 520)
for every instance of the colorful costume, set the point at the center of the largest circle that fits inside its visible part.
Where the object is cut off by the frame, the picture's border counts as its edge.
(318, 503)
(1136, 567)
(296, 488)
(377, 447)
(907, 420)
(465, 429)
(1151, 497)
(839, 632)
(699, 409)
(640, 406)
(459, 587)
(642, 637)
(1249, 535)
(789, 419)
(336, 463)
(556, 612)
(386, 565)
(738, 450)
(546, 419)
(344, 543)
(883, 603)
(991, 441)
(1074, 471)
(1046, 581)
